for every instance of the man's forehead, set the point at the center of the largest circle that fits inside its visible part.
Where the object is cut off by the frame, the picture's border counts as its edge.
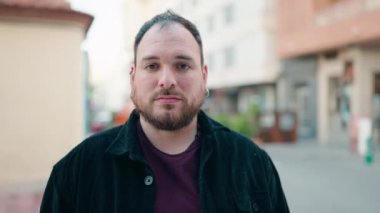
(165, 27)
(166, 34)
(167, 31)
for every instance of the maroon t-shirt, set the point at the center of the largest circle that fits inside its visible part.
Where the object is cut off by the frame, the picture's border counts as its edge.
(175, 176)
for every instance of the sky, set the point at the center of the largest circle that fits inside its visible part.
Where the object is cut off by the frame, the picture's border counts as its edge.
(105, 45)
(105, 42)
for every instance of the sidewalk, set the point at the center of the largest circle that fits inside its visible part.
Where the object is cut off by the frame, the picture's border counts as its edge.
(326, 178)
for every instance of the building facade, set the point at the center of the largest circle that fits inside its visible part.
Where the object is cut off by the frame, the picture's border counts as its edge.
(343, 37)
(297, 91)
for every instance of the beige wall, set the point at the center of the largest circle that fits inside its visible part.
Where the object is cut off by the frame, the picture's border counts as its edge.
(41, 98)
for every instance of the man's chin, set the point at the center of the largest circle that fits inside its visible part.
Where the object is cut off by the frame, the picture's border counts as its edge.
(164, 121)
(167, 108)
(167, 113)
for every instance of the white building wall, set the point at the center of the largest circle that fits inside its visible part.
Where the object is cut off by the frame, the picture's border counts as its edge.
(249, 35)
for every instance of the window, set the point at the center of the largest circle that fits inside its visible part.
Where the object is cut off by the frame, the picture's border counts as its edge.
(376, 84)
(210, 23)
(229, 57)
(210, 62)
(331, 55)
(228, 14)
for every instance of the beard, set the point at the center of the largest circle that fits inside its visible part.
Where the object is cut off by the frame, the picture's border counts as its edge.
(169, 120)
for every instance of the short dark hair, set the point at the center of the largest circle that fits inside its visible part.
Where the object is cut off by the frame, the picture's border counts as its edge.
(165, 18)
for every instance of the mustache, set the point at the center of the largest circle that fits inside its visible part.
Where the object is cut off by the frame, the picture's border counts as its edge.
(167, 92)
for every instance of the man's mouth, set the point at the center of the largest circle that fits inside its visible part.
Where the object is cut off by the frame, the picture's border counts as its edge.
(168, 99)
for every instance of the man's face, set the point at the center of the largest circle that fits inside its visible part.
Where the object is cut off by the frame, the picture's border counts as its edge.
(168, 81)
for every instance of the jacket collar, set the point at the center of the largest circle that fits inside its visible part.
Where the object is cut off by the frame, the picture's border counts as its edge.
(126, 140)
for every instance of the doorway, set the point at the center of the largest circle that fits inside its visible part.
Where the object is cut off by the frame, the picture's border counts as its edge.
(337, 126)
(303, 110)
(376, 109)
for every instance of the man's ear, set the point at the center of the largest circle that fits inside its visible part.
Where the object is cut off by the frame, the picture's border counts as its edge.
(132, 72)
(205, 73)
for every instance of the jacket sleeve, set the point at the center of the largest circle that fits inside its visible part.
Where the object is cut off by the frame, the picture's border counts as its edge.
(55, 199)
(276, 193)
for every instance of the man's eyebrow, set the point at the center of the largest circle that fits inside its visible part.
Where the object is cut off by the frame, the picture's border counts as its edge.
(148, 58)
(184, 57)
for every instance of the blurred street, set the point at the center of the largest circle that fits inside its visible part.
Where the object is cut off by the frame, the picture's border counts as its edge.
(326, 178)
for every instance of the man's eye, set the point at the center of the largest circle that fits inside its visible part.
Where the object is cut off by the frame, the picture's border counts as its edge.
(183, 67)
(151, 67)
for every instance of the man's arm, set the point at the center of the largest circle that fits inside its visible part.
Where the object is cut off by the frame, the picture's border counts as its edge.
(55, 200)
(276, 193)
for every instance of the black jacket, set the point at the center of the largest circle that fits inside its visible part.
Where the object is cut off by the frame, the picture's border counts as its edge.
(107, 173)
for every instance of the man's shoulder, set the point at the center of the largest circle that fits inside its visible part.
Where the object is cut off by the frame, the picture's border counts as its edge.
(102, 139)
(92, 148)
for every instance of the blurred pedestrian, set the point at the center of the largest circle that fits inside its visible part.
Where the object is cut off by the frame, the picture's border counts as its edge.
(169, 157)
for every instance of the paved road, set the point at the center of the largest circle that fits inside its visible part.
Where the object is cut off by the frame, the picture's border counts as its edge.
(327, 179)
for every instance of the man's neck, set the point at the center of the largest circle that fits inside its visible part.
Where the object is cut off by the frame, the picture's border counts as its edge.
(170, 142)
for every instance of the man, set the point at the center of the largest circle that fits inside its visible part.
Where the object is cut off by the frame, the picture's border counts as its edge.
(169, 157)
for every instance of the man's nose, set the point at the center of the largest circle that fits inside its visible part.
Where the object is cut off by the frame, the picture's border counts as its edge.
(167, 78)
